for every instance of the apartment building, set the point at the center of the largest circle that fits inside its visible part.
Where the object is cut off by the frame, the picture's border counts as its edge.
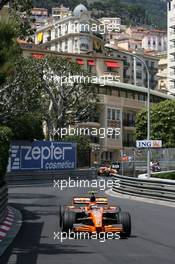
(171, 45)
(129, 69)
(75, 33)
(140, 38)
(119, 101)
(61, 12)
(40, 16)
(163, 72)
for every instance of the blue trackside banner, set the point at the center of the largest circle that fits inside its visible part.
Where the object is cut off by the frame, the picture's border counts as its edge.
(42, 155)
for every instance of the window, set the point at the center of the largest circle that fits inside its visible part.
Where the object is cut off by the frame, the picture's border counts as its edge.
(59, 31)
(129, 119)
(139, 75)
(56, 33)
(60, 45)
(66, 28)
(113, 114)
(66, 44)
(76, 43)
(169, 6)
(152, 64)
(139, 63)
(141, 97)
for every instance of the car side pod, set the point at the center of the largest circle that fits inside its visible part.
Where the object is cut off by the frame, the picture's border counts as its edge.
(116, 228)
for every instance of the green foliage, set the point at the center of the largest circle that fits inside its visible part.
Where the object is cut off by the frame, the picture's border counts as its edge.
(83, 148)
(20, 11)
(35, 86)
(132, 12)
(162, 123)
(166, 175)
(27, 127)
(5, 137)
(8, 47)
(155, 11)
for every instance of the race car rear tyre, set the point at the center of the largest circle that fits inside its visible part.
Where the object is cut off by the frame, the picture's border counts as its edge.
(125, 219)
(68, 220)
(61, 213)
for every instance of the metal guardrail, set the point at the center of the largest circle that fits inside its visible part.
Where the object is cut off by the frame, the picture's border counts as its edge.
(151, 188)
(3, 202)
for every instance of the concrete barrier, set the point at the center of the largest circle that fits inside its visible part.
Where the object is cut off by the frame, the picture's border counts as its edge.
(3, 202)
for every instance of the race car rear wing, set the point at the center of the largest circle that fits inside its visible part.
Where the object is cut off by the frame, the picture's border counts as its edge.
(86, 200)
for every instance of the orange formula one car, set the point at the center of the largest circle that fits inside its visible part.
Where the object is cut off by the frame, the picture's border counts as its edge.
(94, 214)
(108, 169)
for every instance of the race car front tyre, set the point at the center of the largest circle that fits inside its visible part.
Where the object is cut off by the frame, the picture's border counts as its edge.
(69, 218)
(125, 219)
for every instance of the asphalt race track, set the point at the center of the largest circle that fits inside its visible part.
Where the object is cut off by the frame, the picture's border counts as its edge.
(152, 240)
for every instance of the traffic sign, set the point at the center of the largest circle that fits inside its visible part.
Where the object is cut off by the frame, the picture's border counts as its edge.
(149, 143)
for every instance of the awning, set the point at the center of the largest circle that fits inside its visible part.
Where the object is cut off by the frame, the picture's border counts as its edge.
(112, 64)
(38, 56)
(91, 62)
(80, 61)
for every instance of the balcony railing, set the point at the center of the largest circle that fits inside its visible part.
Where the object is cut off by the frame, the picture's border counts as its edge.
(129, 123)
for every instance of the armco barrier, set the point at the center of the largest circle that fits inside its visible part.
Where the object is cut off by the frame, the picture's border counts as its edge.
(3, 202)
(151, 188)
(21, 177)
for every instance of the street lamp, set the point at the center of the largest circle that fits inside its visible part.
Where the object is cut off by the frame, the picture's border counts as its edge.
(148, 105)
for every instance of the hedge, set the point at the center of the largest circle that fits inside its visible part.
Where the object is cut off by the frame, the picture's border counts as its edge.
(166, 175)
(5, 136)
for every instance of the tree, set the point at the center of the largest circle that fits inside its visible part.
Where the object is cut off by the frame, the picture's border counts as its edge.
(83, 149)
(28, 126)
(20, 11)
(162, 123)
(5, 137)
(45, 86)
(8, 47)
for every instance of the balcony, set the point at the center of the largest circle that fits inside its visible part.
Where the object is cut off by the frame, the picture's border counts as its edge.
(172, 64)
(129, 123)
(172, 49)
(114, 124)
(172, 22)
(172, 36)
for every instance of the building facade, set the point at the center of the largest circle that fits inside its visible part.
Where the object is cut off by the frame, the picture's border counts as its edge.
(77, 33)
(60, 12)
(133, 38)
(171, 46)
(119, 102)
(129, 69)
(40, 16)
(163, 73)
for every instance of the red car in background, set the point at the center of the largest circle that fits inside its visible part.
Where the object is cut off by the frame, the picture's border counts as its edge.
(106, 169)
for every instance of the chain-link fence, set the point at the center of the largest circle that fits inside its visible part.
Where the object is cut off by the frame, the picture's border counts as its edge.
(137, 160)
